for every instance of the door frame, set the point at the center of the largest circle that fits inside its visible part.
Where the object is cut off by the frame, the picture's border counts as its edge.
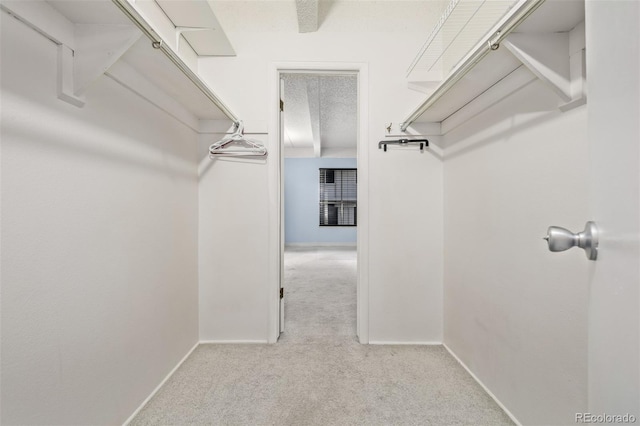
(276, 185)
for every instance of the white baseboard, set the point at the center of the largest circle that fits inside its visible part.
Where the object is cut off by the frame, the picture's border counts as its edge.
(390, 342)
(486, 389)
(233, 342)
(320, 245)
(153, 393)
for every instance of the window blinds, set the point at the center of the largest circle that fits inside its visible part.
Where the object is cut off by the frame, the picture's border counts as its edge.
(338, 199)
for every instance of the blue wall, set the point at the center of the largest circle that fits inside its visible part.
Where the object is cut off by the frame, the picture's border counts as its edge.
(301, 202)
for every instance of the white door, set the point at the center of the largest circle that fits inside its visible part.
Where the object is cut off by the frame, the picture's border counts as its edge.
(613, 72)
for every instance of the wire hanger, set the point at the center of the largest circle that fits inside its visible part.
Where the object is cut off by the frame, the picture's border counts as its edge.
(243, 147)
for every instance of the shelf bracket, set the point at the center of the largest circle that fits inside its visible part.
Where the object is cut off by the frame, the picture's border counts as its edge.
(546, 56)
(97, 48)
(557, 59)
(181, 30)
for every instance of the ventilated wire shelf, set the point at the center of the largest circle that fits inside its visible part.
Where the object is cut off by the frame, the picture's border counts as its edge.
(462, 25)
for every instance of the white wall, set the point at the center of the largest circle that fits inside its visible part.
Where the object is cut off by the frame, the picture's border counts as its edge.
(405, 250)
(99, 241)
(515, 313)
(233, 236)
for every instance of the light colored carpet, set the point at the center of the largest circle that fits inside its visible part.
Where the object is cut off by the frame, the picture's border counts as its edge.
(317, 374)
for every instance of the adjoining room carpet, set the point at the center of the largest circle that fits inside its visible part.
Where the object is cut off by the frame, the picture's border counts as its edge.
(317, 373)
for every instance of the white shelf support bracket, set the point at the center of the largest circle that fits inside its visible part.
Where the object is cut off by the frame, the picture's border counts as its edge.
(546, 56)
(66, 81)
(97, 48)
(181, 30)
(558, 59)
(578, 68)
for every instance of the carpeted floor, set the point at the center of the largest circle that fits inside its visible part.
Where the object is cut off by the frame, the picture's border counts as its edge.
(318, 374)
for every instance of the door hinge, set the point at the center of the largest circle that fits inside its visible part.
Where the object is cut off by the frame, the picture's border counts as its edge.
(281, 105)
(281, 292)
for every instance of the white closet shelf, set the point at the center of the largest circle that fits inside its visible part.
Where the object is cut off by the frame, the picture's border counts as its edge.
(164, 67)
(110, 37)
(535, 39)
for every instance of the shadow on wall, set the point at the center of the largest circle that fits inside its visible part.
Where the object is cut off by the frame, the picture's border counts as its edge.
(206, 163)
(531, 114)
(511, 128)
(106, 143)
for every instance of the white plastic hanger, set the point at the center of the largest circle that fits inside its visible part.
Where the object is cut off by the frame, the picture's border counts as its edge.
(243, 147)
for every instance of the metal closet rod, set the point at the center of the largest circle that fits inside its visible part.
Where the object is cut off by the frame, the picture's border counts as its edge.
(479, 52)
(158, 43)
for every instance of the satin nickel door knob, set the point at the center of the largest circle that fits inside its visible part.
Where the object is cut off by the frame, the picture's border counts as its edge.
(561, 239)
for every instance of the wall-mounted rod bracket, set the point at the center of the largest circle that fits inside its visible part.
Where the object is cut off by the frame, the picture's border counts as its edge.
(404, 142)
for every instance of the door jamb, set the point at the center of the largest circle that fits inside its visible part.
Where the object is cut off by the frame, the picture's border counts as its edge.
(275, 175)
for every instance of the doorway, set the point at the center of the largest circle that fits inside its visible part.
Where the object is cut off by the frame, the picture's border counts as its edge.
(319, 134)
(313, 138)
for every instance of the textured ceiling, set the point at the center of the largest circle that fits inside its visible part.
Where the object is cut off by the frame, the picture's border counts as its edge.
(320, 113)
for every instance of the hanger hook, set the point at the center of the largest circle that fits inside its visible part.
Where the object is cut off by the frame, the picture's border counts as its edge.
(238, 128)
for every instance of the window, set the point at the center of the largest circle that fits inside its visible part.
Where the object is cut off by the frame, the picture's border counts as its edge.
(338, 197)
